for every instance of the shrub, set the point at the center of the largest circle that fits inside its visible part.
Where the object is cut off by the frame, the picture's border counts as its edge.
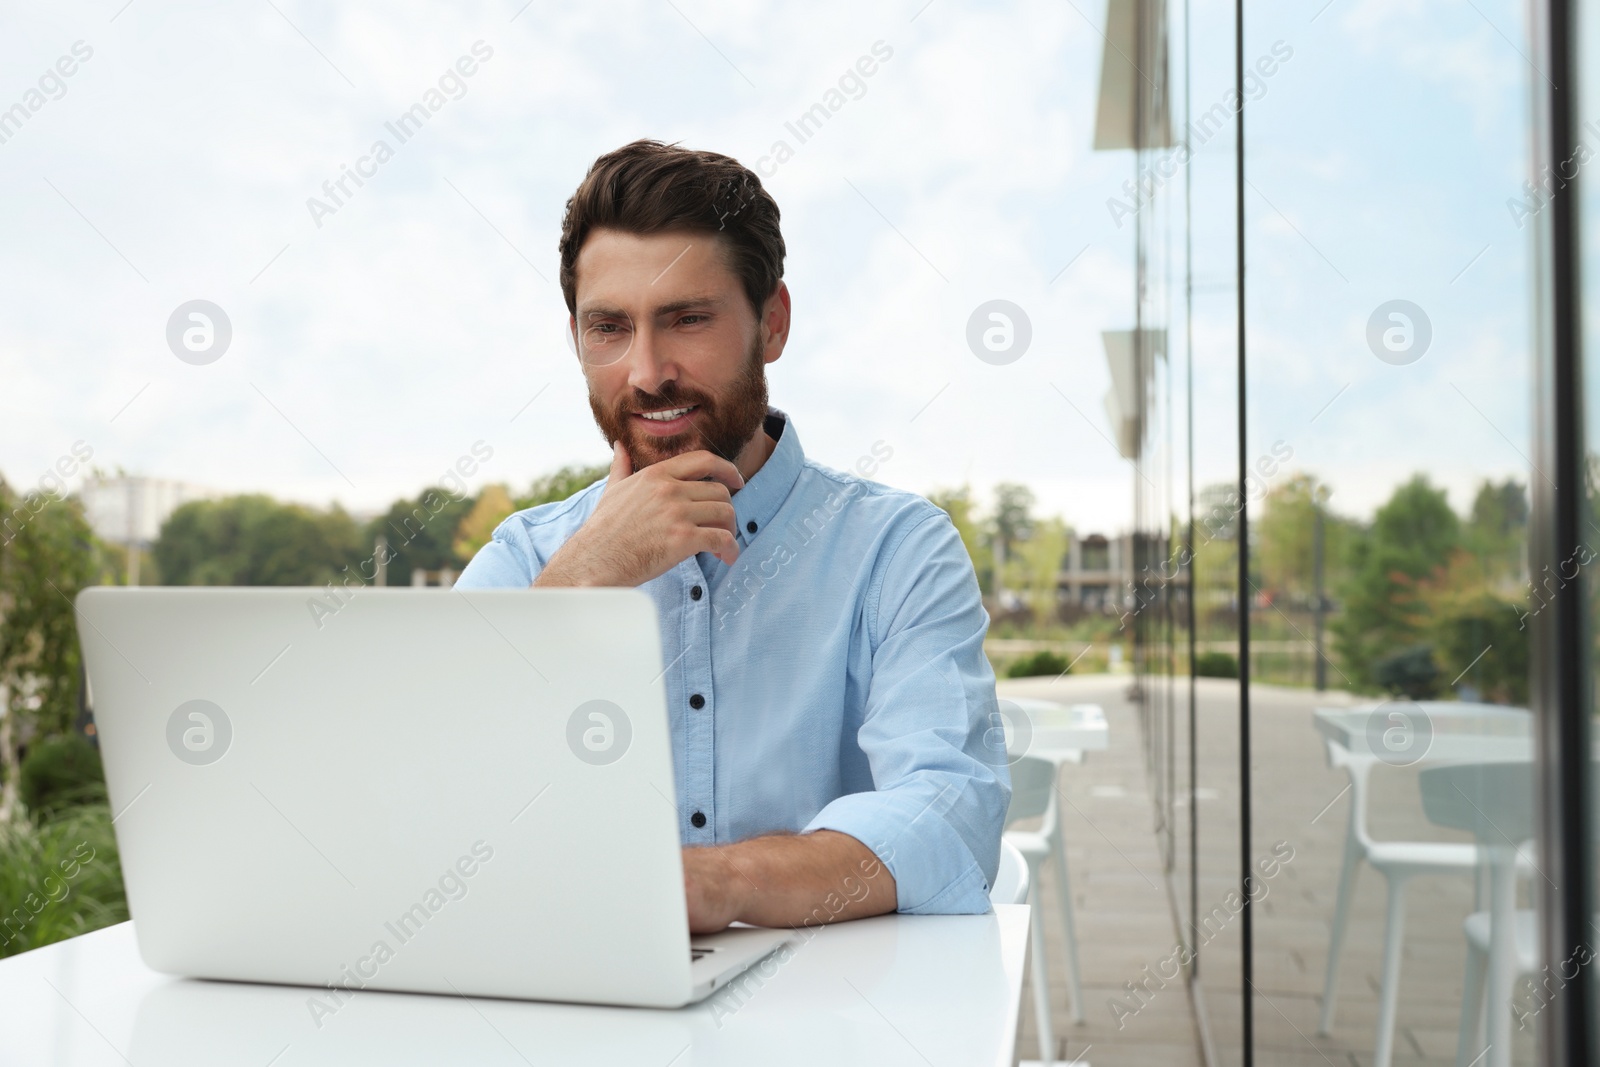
(1487, 637)
(61, 772)
(58, 878)
(1409, 672)
(1037, 663)
(1216, 665)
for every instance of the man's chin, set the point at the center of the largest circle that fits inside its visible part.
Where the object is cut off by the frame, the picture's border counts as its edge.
(643, 450)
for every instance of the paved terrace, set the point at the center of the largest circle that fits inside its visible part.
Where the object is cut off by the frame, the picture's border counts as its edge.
(1124, 916)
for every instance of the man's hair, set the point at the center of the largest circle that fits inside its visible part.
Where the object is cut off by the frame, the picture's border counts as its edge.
(647, 187)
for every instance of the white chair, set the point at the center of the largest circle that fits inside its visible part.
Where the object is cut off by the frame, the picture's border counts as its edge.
(1398, 862)
(1011, 882)
(1493, 800)
(1033, 796)
(1478, 929)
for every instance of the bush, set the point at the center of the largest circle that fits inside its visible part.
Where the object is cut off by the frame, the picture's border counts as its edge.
(1216, 665)
(1409, 672)
(1038, 663)
(59, 773)
(58, 879)
(1487, 637)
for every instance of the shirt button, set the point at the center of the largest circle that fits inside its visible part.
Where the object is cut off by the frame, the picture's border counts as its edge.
(694, 594)
(751, 526)
(698, 819)
(697, 702)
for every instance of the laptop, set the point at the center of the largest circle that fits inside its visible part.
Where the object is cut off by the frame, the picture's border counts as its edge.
(427, 790)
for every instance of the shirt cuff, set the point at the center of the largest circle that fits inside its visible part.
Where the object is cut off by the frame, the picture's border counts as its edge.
(934, 871)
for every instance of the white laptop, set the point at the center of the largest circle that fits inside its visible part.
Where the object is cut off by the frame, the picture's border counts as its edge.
(459, 792)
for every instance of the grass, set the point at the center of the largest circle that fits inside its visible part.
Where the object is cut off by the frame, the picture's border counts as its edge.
(59, 877)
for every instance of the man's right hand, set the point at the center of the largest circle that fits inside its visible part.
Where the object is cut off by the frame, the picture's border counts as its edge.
(648, 522)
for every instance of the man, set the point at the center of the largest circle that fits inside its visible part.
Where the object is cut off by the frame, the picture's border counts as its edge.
(831, 705)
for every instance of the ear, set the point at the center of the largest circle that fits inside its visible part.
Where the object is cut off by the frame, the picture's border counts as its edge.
(775, 319)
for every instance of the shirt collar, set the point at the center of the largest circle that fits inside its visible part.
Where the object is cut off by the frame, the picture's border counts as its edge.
(769, 487)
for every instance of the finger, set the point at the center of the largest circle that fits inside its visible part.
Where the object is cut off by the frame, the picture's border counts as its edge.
(621, 463)
(700, 491)
(693, 466)
(717, 541)
(714, 514)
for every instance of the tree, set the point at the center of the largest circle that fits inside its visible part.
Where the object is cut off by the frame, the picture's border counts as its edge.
(1040, 557)
(1412, 537)
(478, 525)
(1012, 521)
(561, 484)
(421, 533)
(1478, 635)
(45, 559)
(1284, 541)
(1214, 570)
(1497, 530)
(494, 505)
(255, 540)
(1216, 513)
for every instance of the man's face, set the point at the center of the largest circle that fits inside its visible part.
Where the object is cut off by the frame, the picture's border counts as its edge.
(674, 357)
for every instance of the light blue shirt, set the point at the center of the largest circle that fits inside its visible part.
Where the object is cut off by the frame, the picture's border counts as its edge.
(838, 669)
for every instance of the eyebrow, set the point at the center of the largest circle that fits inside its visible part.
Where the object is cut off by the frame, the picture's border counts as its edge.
(610, 310)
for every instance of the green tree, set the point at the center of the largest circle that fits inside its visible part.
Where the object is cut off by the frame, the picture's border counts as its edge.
(1497, 530)
(1041, 557)
(255, 540)
(1284, 540)
(1412, 537)
(421, 533)
(1012, 521)
(1215, 568)
(478, 525)
(46, 557)
(561, 484)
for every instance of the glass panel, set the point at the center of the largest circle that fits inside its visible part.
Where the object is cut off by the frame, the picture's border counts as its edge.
(1552, 978)
(1388, 318)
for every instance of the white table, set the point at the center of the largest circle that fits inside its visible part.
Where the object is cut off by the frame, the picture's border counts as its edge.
(1461, 731)
(897, 989)
(1059, 732)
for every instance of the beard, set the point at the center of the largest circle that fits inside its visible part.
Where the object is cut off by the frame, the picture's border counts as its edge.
(721, 425)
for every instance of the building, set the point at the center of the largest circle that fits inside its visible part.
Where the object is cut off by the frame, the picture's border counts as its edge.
(1112, 575)
(129, 509)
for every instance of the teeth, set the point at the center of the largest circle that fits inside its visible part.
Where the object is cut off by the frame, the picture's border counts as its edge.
(666, 416)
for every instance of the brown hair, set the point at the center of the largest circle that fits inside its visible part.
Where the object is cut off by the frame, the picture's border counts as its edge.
(647, 187)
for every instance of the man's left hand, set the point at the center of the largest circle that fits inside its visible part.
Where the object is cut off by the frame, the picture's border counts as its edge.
(785, 880)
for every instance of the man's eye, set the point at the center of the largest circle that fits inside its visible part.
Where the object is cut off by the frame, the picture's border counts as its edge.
(686, 318)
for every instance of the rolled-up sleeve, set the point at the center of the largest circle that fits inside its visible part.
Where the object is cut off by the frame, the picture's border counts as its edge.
(936, 814)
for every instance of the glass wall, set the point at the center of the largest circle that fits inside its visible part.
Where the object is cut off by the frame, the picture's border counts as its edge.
(1350, 829)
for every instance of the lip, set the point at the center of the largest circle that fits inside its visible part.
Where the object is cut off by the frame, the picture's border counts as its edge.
(657, 428)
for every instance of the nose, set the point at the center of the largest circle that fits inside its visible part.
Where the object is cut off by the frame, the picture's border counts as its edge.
(649, 362)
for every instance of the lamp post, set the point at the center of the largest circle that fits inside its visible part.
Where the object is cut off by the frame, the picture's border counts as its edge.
(1319, 606)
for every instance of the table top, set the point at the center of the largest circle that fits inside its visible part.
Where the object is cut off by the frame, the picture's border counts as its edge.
(896, 989)
(1460, 731)
(1053, 729)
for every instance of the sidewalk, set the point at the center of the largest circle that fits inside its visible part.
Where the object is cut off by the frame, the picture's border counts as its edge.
(1125, 921)
(1123, 918)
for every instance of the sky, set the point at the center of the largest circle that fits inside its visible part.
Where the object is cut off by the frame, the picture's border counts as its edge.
(378, 339)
